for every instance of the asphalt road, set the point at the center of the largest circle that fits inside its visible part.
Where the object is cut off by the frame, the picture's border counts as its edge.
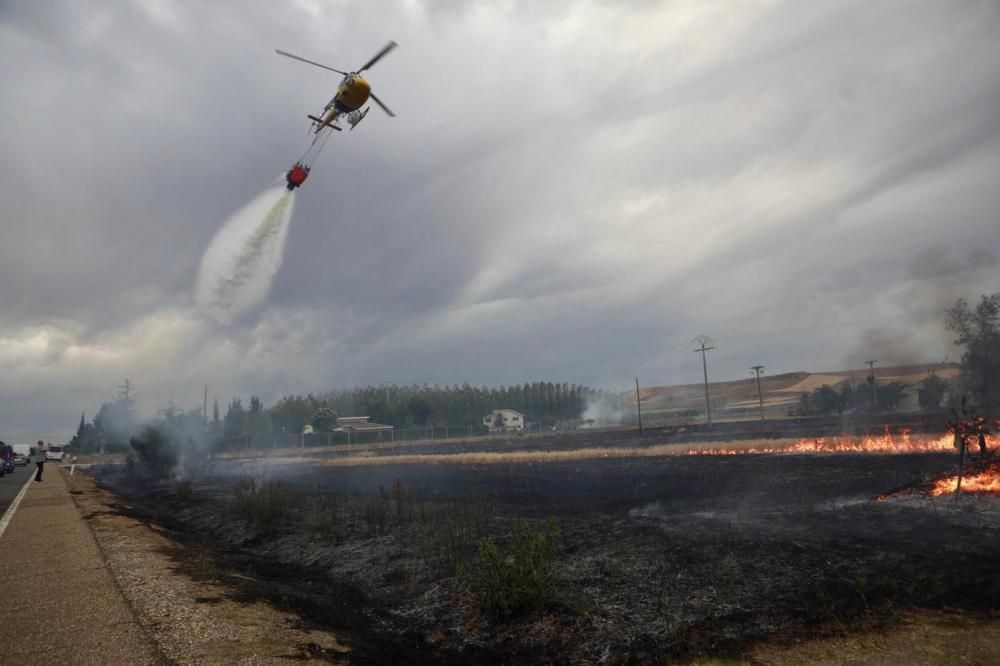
(10, 484)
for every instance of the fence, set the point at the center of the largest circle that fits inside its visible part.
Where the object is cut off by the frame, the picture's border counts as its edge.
(813, 426)
(330, 439)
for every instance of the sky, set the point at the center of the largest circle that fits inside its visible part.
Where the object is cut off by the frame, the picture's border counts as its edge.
(571, 191)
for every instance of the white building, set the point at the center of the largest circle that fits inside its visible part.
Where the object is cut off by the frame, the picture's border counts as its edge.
(502, 420)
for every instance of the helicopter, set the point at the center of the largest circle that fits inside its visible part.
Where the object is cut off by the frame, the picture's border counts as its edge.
(352, 93)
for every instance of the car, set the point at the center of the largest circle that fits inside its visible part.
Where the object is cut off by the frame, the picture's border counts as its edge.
(55, 453)
(6, 459)
(22, 454)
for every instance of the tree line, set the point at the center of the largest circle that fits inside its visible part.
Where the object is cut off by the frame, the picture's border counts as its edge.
(414, 406)
(827, 400)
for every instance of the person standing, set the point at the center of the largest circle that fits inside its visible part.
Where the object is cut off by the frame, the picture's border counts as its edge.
(40, 450)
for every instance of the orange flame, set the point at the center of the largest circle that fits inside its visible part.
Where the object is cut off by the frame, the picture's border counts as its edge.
(986, 481)
(884, 443)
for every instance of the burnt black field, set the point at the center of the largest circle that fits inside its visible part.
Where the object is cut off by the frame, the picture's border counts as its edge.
(659, 558)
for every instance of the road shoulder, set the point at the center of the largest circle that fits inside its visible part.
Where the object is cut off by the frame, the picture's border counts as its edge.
(174, 591)
(62, 605)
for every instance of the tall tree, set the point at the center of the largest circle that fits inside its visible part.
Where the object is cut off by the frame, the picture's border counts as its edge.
(978, 331)
(233, 422)
(291, 413)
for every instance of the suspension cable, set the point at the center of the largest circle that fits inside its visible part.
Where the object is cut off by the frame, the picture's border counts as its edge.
(315, 148)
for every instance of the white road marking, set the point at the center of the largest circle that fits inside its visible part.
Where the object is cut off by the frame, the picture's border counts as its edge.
(9, 513)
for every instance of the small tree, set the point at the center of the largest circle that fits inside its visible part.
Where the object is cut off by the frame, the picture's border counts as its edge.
(890, 395)
(324, 420)
(827, 401)
(525, 579)
(932, 393)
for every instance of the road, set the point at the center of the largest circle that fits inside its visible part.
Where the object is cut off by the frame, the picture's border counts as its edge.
(10, 484)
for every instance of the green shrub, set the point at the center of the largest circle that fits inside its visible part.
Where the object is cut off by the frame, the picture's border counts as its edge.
(508, 584)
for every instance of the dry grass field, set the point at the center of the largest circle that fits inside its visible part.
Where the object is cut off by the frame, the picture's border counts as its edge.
(779, 391)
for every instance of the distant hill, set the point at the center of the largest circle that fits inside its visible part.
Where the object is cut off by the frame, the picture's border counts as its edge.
(780, 392)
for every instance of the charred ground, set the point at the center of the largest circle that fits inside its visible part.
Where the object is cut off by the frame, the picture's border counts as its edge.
(658, 558)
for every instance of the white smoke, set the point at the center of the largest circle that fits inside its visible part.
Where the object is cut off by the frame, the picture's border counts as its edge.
(241, 261)
(603, 409)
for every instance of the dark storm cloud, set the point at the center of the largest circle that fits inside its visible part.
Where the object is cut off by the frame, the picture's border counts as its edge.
(565, 184)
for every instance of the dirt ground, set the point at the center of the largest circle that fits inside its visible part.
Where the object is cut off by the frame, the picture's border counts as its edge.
(184, 603)
(759, 558)
(916, 637)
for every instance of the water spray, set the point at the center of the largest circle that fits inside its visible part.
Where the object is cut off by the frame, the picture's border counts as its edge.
(241, 261)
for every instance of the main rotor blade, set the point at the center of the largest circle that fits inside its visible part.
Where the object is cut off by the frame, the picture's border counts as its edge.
(379, 102)
(295, 57)
(378, 56)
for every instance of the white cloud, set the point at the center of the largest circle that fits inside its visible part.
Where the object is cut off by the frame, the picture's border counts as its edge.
(565, 183)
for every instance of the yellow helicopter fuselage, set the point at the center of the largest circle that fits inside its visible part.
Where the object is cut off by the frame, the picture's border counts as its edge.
(351, 96)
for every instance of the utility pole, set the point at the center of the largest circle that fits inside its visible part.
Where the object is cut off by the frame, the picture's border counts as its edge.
(705, 340)
(638, 405)
(760, 397)
(871, 380)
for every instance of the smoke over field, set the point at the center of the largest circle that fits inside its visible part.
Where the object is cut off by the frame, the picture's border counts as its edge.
(241, 261)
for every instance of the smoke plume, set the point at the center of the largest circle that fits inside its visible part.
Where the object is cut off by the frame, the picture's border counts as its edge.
(603, 409)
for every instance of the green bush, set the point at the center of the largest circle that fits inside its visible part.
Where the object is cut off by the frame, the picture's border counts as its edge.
(508, 584)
